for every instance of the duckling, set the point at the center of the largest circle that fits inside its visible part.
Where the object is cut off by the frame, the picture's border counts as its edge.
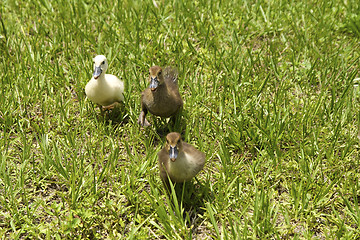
(179, 160)
(104, 89)
(162, 97)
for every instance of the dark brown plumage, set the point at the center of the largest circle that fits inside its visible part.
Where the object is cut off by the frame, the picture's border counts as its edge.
(162, 97)
(179, 160)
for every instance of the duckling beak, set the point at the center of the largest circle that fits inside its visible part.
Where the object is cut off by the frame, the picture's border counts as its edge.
(173, 153)
(154, 83)
(97, 72)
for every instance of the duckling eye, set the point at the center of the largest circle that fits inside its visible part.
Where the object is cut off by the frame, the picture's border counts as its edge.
(178, 141)
(167, 141)
(160, 73)
(103, 62)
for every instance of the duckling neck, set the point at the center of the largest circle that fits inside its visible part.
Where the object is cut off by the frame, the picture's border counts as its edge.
(160, 92)
(183, 168)
(101, 78)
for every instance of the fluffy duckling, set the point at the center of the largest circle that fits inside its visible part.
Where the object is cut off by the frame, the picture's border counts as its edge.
(162, 97)
(104, 89)
(179, 160)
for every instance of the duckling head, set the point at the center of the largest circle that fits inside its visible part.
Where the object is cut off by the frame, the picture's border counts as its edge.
(173, 145)
(100, 65)
(156, 77)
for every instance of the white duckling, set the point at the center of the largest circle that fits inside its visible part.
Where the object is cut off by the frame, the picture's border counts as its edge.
(104, 89)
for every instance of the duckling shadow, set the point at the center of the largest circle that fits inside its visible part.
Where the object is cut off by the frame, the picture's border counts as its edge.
(117, 116)
(192, 198)
(176, 123)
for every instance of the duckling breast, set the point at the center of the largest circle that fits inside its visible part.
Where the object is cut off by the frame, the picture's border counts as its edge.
(161, 103)
(184, 168)
(105, 91)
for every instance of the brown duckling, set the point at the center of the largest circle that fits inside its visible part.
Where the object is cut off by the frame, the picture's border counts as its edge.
(162, 97)
(179, 160)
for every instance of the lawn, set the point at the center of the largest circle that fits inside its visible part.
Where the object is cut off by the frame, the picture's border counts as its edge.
(271, 96)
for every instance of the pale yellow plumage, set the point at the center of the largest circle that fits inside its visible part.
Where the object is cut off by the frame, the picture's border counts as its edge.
(104, 89)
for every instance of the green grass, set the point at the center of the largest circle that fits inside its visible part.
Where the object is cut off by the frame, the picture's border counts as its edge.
(271, 93)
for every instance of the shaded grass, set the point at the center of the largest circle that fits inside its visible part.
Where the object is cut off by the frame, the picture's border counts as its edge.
(270, 96)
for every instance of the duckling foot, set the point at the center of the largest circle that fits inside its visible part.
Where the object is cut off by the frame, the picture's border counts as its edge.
(104, 109)
(108, 108)
(142, 120)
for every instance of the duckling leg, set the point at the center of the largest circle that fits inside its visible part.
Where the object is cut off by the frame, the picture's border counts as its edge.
(142, 120)
(110, 107)
(101, 109)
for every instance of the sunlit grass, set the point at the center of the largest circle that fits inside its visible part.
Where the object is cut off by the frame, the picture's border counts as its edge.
(270, 93)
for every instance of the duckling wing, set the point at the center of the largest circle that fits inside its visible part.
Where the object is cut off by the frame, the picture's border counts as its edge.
(171, 74)
(171, 79)
(195, 156)
(115, 87)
